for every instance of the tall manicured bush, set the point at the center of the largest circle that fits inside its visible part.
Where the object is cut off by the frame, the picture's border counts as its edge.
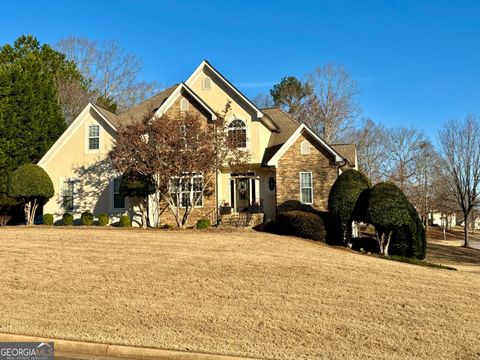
(342, 200)
(138, 185)
(87, 218)
(409, 240)
(388, 210)
(67, 219)
(103, 219)
(31, 185)
(299, 223)
(47, 219)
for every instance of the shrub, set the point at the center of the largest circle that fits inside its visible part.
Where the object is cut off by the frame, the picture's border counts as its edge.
(4, 219)
(343, 197)
(67, 219)
(87, 218)
(47, 219)
(125, 221)
(31, 185)
(203, 224)
(409, 240)
(368, 244)
(103, 219)
(299, 223)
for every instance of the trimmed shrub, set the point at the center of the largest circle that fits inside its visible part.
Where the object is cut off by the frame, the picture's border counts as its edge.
(67, 219)
(47, 219)
(103, 219)
(125, 221)
(299, 223)
(203, 224)
(87, 218)
(409, 240)
(343, 197)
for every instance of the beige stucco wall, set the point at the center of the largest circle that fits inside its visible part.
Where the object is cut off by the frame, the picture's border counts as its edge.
(92, 171)
(218, 96)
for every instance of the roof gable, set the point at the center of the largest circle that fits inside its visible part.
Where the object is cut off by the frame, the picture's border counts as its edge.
(291, 140)
(205, 66)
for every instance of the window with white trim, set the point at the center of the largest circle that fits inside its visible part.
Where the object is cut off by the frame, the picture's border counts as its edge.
(68, 188)
(184, 104)
(238, 131)
(118, 199)
(187, 191)
(206, 83)
(93, 137)
(306, 188)
(305, 147)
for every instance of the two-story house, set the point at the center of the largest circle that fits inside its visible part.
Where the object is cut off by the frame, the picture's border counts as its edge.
(288, 161)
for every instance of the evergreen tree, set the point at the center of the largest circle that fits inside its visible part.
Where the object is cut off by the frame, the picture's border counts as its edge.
(31, 118)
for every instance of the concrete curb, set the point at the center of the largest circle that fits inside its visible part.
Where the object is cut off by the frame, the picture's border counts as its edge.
(131, 352)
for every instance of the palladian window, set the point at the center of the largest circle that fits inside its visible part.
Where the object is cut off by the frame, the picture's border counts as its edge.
(238, 131)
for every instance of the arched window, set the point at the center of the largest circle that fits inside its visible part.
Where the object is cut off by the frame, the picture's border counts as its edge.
(238, 131)
(206, 83)
(305, 147)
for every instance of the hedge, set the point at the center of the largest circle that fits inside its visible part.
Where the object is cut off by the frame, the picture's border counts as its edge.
(103, 219)
(67, 219)
(47, 219)
(125, 221)
(300, 223)
(87, 218)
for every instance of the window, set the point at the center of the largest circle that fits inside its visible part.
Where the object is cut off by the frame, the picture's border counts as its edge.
(184, 104)
(305, 147)
(118, 199)
(68, 187)
(206, 83)
(306, 191)
(238, 132)
(187, 191)
(93, 137)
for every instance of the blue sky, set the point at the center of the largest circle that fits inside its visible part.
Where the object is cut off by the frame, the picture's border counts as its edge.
(417, 62)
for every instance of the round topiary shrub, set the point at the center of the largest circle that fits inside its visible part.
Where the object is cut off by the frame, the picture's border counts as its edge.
(203, 224)
(47, 219)
(103, 219)
(299, 223)
(87, 218)
(67, 219)
(342, 199)
(125, 221)
(409, 240)
(31, 185)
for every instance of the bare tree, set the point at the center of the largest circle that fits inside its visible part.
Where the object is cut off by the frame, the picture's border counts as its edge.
(182, 155)
(460, 150)
(402, 149)
(369, 139)
(331, 106)
(112, 70)
(263, 101)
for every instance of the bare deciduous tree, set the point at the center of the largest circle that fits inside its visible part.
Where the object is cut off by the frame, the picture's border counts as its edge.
(460, 150)
(175, 152)
(112, 70)
(369, 139)
(402, 149)
(263, 101)
(331, 106)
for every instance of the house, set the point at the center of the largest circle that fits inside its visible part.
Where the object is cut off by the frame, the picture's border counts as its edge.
(443, 220)
(288, 160)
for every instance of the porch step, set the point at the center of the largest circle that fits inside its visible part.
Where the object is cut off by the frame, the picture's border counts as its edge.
(242, 220)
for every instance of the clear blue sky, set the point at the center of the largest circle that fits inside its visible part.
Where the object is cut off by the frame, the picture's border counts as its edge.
(417, 62)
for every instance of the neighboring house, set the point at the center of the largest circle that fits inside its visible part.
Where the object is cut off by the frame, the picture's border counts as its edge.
(443, 220)
(289, 161)
(472, 224)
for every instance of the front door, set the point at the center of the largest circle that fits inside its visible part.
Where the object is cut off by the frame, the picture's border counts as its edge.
(242, 194)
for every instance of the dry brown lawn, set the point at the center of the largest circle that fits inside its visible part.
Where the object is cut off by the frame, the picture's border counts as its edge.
(237, 293)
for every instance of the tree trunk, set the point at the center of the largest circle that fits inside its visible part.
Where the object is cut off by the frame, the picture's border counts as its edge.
(29, 209)
(465, 232)
(143, 209)
(385, 250)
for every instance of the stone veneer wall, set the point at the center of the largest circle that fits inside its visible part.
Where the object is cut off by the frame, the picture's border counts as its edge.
(319, 162)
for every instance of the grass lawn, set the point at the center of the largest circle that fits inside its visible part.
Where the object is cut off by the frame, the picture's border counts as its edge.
(237, 293)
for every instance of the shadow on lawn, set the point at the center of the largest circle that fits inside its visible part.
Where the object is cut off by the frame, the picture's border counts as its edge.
(452, 254)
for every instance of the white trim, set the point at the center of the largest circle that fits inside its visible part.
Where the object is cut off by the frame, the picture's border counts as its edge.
(247, 130)
(191, 193)
(291, 140)
(300, 186)
(69, 132)
(87, 150)
(199, 70)
(174, 96)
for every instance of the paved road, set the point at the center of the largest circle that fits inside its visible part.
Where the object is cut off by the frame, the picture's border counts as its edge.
(475, 245)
